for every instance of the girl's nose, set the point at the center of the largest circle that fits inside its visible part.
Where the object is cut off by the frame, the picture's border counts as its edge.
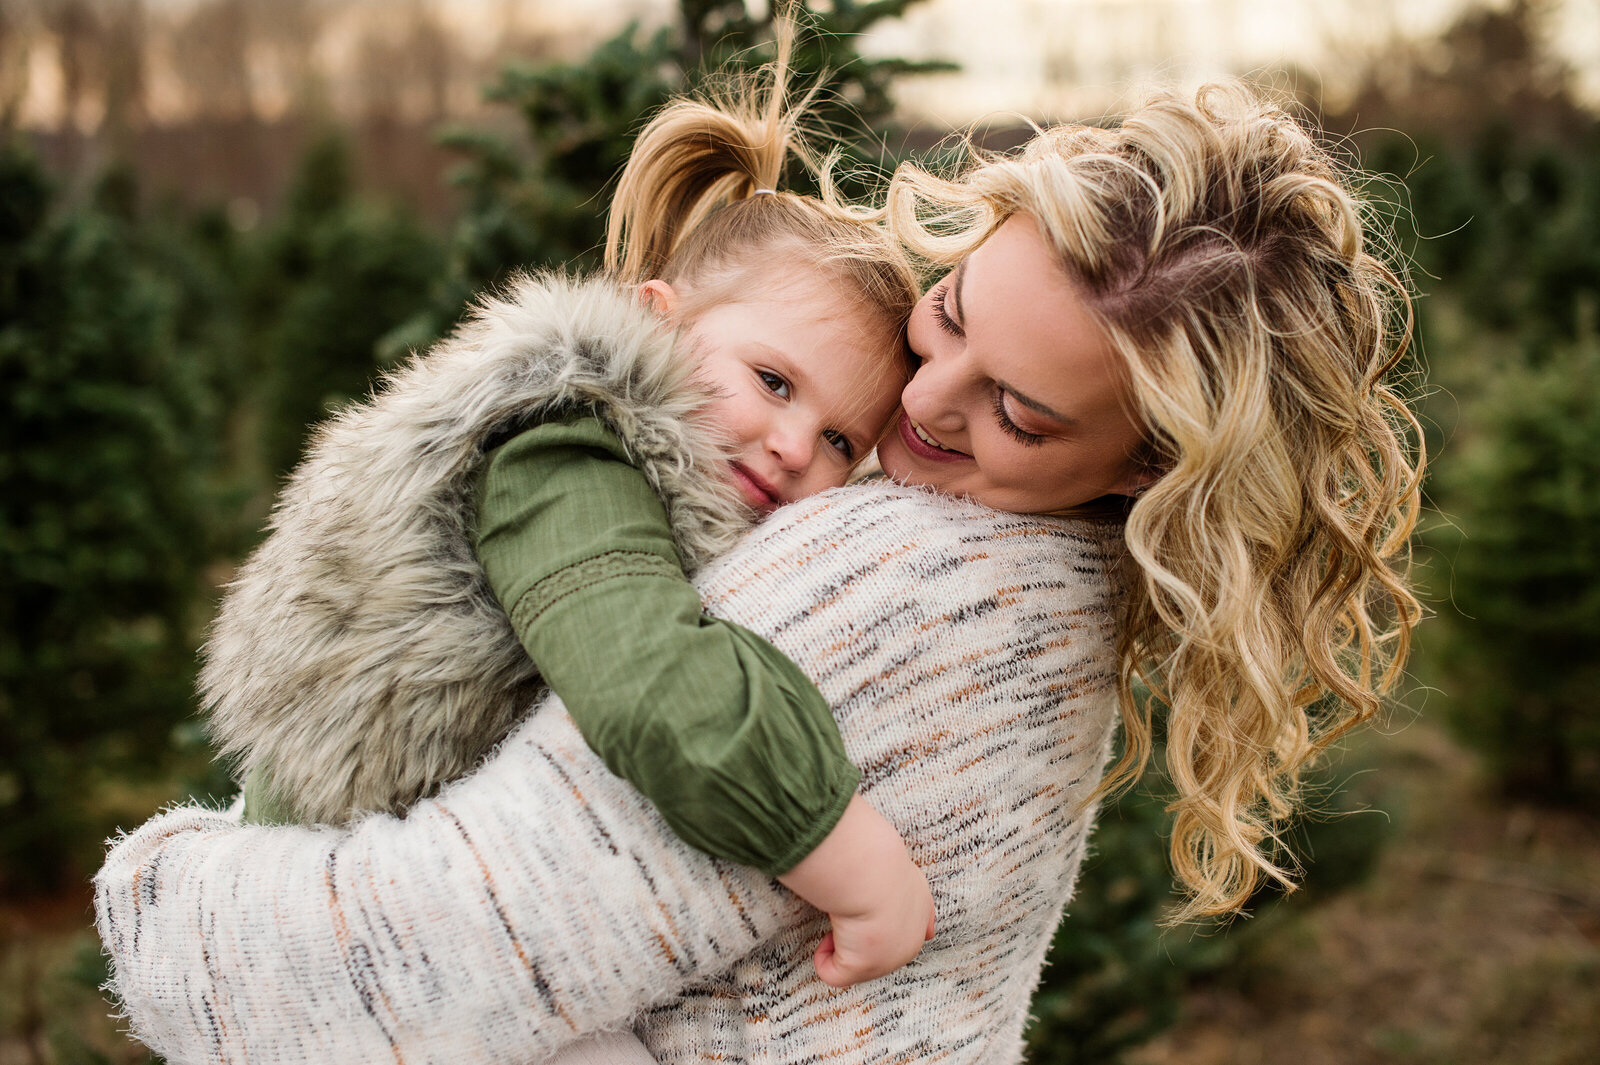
(793, 446)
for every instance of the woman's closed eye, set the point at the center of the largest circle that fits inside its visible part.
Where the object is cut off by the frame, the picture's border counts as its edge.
(941, 311)
(775, 383)
(1020, 434)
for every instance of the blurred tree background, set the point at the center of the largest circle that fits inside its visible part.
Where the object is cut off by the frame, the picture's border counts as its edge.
(162, 356)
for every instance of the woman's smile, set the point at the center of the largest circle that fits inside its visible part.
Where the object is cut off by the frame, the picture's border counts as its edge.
(921, 442)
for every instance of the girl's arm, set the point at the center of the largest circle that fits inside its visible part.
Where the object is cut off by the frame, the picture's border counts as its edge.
(723, 733)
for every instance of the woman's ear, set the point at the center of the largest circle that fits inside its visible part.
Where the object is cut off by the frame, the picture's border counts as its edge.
(1138, 476)
(658, 296)
(1143, 468)
(1135, 483)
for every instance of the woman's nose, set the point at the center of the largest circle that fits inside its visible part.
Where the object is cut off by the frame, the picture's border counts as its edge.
(938, 393)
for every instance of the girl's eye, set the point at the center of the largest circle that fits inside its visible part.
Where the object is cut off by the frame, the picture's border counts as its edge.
(775, 384)
(1017, 432)
(840, 443)
(941, 311)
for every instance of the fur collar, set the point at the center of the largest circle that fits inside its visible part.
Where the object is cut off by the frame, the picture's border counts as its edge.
(359, 656)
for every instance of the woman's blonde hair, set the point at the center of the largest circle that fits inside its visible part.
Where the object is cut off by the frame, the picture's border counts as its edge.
(699, 203)
(1226, 257)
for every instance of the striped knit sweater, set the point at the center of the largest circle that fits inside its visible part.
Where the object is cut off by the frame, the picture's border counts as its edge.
(968, 655)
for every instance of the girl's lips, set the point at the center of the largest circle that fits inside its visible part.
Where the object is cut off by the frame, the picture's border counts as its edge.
(756, 491)
(922, 448)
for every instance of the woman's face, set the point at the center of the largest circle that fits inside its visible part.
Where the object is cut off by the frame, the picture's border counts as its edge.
(1019, 402)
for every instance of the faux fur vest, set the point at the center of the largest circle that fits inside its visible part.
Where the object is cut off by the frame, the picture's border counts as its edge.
(359, 657)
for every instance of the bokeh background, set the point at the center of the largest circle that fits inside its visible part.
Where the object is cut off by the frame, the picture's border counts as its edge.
(220, 219)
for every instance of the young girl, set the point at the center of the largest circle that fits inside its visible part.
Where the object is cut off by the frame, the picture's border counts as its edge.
(432, 563)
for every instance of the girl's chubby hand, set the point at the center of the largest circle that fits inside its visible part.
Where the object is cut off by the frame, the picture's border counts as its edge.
(878, 941)
(873, 893)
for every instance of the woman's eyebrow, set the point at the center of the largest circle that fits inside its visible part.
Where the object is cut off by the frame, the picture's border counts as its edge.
(955, 290)
(1036, 406)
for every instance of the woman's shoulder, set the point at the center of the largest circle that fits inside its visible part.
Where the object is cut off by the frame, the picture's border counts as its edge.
(859, 518)
(880, 533)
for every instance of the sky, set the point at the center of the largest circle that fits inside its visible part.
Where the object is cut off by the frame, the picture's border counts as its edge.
(1046, 59)
(1068, 58)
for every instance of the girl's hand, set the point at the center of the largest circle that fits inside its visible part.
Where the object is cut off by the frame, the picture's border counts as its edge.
(870, 945)
(873, 893)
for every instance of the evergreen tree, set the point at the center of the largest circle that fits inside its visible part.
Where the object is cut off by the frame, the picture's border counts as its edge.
(320, 287)
(105, 427)
(1519, 561)
(542, 203)
(1506, 197)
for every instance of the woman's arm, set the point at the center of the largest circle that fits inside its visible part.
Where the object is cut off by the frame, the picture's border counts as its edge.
(543, 896)
(537, 901)
(540, 899)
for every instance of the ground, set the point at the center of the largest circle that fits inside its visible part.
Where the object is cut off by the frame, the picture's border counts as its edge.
(1476, 940)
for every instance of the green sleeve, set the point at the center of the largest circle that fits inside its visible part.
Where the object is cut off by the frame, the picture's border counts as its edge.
(261, 805)
(725, 735)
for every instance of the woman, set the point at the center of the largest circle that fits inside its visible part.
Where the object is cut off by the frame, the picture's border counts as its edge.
(1178, 311)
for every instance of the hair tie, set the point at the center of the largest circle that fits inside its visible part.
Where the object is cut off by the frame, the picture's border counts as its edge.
(763, 192)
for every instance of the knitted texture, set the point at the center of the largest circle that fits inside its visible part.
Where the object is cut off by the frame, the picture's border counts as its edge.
(968, 654)
(360, 657)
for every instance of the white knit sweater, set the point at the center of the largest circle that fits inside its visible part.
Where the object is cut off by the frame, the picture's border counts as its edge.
(968, 655)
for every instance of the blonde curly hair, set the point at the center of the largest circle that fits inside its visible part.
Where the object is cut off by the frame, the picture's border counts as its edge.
(1232, 267)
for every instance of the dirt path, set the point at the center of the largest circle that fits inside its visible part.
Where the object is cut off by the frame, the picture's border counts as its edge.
(51, 1011)
(1476, 940)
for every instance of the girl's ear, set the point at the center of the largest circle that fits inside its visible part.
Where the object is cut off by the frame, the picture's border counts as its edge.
(658, 296)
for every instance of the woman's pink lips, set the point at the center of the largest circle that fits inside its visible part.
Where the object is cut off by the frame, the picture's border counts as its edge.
(757, 492)
(921, 448)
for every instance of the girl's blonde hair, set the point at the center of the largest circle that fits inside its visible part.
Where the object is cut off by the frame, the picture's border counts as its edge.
(1225, 256)
(699, 203)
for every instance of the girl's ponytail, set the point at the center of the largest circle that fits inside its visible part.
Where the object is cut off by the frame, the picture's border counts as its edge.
(696, 156)
(687, 209)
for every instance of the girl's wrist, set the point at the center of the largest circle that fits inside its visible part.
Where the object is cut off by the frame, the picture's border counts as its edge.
(854, 866)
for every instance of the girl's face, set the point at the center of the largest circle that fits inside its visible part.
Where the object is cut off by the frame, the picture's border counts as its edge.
(805, 383)
(1020, 402)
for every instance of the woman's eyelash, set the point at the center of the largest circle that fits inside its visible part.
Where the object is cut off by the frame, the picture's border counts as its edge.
(941, 312)
(1021, 435)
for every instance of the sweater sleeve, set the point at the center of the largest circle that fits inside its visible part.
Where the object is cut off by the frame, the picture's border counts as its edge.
(721, 731)
(538, 901)
(543, 898)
